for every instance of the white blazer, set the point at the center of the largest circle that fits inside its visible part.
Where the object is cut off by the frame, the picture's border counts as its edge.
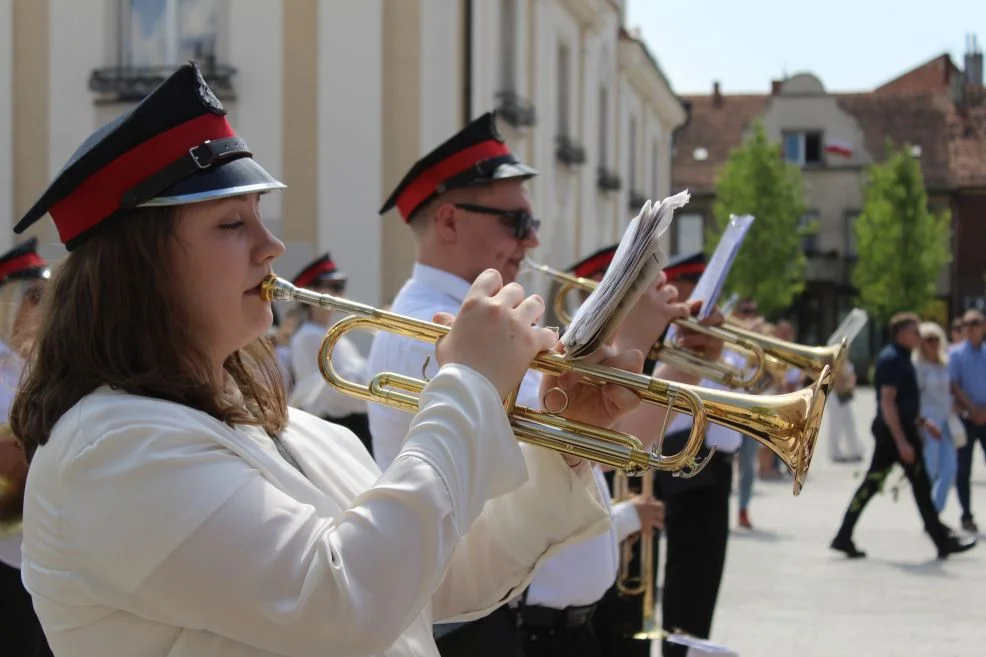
(153, 530)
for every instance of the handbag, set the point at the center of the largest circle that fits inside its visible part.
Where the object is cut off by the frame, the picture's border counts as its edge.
(957, 429)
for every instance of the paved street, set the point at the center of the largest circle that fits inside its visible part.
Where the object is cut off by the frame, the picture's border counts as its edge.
(786, 593)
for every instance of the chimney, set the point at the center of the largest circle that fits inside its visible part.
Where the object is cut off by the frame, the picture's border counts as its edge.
(775, 87)
(973, 62)
(716, 94)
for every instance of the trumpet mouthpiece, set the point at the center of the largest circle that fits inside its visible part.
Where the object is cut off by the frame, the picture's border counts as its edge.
(276, 289)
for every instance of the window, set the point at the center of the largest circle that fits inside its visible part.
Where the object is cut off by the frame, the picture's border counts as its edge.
(655, 155)
(632, 148)
(803, 148)
(603, 127)
(508, 45)
(689, 233)
(168, 32)
(564, 78)
(850, 245)
(809, 243)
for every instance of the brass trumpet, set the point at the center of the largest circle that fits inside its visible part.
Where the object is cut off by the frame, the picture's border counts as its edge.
(612, 448)
(644, 582)
(767, 354)
(726, 375)
(786, 424)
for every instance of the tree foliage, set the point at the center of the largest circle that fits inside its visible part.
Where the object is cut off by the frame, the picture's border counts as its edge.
(756, 180)
(901, 245)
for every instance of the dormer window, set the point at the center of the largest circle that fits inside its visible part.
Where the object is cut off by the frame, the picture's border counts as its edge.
(803, 148)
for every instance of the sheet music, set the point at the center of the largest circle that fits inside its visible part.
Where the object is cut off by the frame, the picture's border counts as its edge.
(700, 646)
(637, 263)
(709, 286)
(850, 327)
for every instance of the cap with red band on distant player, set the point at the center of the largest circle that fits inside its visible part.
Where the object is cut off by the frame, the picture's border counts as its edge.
(23, 263)
(476, 155)
(687, 267)
(321, 270)
(174, 148)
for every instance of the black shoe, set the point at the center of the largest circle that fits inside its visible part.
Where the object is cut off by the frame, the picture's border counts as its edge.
(955, 545)
(845, 544)
(969, 525)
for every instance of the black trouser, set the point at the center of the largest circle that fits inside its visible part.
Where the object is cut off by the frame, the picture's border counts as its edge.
(974, 433)
(495, 635)
(358, 423)
(696, 524)
(885, 455)
(559, 632)
(20, 632)
(618, 617)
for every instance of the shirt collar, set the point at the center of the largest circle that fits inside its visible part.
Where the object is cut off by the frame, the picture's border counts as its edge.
(440, 280)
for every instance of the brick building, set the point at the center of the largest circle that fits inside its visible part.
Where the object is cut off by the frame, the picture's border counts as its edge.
(936, 108)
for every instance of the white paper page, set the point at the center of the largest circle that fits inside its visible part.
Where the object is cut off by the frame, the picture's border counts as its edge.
(637, 263)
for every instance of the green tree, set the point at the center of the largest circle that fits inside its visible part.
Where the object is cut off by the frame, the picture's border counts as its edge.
(756, 180)
(901, 245)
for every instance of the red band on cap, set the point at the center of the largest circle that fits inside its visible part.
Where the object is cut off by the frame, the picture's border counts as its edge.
(595, 265)
(684, 270)
(100, 195)
(21, 263)
(307, 277)
(425, 184)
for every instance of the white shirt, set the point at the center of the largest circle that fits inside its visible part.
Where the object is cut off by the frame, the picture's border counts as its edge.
(578, 575)
(311, 393)
(11, 366)
(153, 530)
(725, 440)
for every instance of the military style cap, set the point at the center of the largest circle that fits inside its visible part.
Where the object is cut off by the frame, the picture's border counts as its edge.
(597, 263)
(686, 267)
(23, 263)
(474, 156)
(176, 147)
(320, 270)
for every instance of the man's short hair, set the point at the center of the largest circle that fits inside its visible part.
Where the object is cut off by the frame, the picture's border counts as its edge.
(901, 321)
(957, 324)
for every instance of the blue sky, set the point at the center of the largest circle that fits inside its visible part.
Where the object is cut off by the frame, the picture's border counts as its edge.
(851, 45)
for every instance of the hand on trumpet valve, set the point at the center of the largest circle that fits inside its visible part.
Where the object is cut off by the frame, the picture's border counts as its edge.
(494, 332)
(706, 346)
(569, 397)
(650, 512)
(656, 308)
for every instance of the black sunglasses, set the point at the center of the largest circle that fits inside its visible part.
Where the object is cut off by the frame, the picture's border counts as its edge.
(520, 222)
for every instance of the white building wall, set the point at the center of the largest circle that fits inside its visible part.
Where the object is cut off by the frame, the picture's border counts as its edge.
(7, 219)
(350, 146)
(259, 88)
(73, 59)
(442, 85)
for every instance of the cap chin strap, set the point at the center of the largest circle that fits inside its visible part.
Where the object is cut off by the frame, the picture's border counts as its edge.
(206, 155)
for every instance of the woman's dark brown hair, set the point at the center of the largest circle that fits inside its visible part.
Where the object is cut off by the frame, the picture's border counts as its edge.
(111, 316)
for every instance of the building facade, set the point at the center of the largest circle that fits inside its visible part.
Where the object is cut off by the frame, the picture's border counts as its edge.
(833, 137)
(338, 98)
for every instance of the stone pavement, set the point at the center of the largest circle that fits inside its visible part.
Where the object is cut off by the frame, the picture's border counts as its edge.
(786, 593)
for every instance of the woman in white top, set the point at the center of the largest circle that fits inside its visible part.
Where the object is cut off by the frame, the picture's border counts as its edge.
(931, 367)
(175, 506)
(23, 274)
(311, 393)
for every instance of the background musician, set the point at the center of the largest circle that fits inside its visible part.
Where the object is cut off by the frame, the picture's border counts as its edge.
(175, 506)
(23, 276)
(696, 509)
(468, 209)
(311, 393)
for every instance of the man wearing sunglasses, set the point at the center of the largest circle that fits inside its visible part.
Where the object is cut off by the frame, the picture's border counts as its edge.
(967, 370)
(468, 211)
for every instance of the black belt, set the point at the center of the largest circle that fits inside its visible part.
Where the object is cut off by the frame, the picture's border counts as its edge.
(535, 616)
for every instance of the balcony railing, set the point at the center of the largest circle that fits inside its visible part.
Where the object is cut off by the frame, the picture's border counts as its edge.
(124, 84)
(515, 110)
(568, 151)
(608, 181)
